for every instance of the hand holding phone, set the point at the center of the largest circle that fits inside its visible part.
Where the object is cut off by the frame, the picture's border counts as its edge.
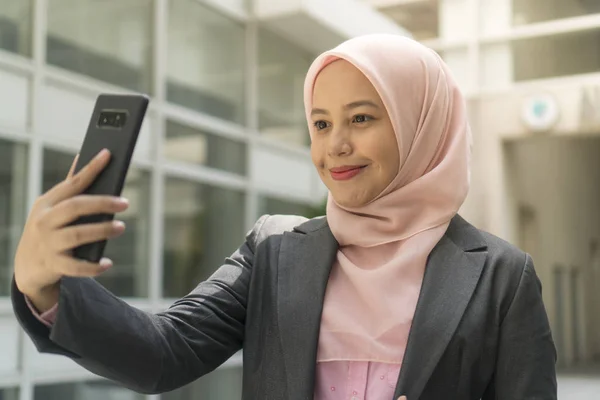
(68, 226)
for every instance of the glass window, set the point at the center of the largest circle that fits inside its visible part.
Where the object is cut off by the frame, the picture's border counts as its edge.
(222, 384)
(106, 40)
(91, 390)
(532, 11)
(203, 225)
(274, 206)
(205, 61)
(15, 26)
(130, 252)
(13, 182)
(184, 143)
(281, 72)
(563, 55)
(9, 394)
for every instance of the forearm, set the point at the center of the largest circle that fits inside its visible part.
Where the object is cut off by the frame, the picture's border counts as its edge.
(144, 352)
(100, 332)
(148, 353)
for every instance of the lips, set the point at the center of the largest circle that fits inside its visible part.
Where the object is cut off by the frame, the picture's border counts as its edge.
(346, 172)
(345, 168)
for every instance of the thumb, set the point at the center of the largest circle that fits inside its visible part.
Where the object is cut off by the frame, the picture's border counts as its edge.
(402, 398)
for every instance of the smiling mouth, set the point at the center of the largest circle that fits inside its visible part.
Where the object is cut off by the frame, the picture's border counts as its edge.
(346, 173)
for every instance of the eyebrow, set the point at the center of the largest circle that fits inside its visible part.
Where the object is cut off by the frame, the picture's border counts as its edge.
(349, 106)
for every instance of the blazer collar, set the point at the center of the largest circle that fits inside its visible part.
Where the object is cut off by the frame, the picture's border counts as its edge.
(306, 255)
(305, 259)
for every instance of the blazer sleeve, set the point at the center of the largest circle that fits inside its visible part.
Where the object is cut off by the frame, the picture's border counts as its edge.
(527, 356)
(145, 352)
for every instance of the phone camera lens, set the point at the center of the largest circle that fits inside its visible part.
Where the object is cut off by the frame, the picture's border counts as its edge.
(112, 119)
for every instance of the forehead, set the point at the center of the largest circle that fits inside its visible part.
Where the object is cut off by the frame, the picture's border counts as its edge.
(341, 81)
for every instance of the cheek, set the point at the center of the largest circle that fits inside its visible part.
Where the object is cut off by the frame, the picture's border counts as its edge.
(385, 154)
(392, 159)
(316, 154)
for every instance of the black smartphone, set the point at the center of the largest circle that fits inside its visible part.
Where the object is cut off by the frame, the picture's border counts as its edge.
(115, 125)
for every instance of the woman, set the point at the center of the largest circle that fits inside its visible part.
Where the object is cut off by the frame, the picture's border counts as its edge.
(392, 294)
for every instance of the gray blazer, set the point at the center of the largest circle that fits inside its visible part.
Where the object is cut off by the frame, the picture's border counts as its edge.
(480, 328)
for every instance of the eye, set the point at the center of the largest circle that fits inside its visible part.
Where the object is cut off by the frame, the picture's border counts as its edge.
(320, 125)
(361, 118)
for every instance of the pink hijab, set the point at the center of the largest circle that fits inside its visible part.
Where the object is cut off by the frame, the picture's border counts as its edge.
(375, 282)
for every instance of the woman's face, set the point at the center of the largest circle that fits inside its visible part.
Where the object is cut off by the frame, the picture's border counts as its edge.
(354, 147)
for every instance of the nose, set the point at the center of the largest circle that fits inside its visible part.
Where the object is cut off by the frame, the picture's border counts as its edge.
(339, 143)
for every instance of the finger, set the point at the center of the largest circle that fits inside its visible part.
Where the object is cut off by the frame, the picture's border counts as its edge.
(69, 210)
(72, 169)
(70, 266)
(74, 236)
(402, 398)
(79, 181)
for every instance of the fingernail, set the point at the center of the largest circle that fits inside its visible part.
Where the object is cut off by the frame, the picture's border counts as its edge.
(119, 225)
(103, 153)
(106, 262)
(122, 201)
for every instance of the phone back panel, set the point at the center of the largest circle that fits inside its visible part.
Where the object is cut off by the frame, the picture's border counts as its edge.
(115, 125)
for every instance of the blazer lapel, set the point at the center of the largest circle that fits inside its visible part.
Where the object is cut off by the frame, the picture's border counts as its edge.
(451, 275)
(305, 260)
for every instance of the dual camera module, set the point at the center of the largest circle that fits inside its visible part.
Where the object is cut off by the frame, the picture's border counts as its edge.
(112, 119)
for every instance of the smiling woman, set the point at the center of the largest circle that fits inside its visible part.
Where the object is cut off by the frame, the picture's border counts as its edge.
(391, 294)
(351, 141)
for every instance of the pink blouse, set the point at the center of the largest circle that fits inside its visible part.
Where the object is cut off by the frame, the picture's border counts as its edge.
(335, 380)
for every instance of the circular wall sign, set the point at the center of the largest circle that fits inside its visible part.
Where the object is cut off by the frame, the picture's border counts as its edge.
(540, 112)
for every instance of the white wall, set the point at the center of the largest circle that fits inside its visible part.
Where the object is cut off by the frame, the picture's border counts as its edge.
(495, 16)
(9, 345)
(458, 61)
(14, 100)
(496, 66)
(472, 209)
(455, 19)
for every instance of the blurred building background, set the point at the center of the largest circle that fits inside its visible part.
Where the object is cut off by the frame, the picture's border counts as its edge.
(225, 141)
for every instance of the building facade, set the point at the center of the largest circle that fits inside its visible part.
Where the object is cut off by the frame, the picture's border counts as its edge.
(224, 141)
